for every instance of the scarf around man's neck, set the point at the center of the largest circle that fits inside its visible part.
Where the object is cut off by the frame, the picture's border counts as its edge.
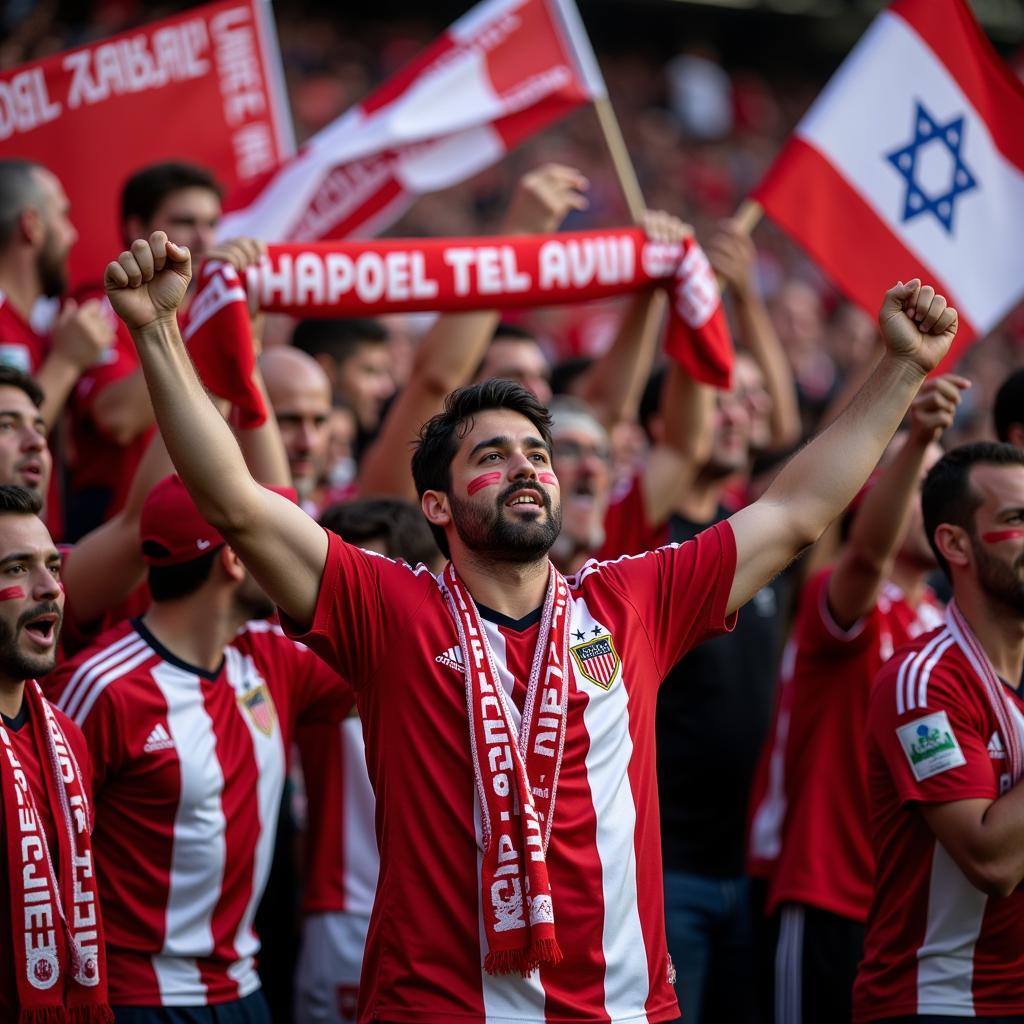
(979, 660)
(57, 939)
(516, 777)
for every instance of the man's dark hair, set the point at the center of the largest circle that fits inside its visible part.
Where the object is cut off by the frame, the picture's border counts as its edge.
(947, 495)
(19, 189)
(399, 524)
(513, 332)
(19, 501)
(173, 582)
(339, 339)
(12, 377)
(440, 436)
(145, 190)
(565, 374)
(1009, 404)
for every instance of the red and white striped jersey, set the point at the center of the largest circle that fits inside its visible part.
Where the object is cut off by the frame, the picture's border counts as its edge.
(935, 944)
(341, 844)
(812, 817)
(386, 629)
(189, 768)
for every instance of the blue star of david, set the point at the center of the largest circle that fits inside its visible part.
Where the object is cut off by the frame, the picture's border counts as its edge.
(916, 201)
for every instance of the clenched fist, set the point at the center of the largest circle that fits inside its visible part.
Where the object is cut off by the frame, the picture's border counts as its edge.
(917, 324)
(147, 283)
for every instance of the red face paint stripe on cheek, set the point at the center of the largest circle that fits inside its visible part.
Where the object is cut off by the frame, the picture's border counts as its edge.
(482, 481)
(11, 594)
(995, 536)
(547, 478)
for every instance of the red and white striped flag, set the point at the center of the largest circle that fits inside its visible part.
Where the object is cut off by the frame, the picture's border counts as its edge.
(505, 70)
(911, 163)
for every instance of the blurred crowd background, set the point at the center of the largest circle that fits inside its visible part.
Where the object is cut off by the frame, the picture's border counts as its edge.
(705, 93)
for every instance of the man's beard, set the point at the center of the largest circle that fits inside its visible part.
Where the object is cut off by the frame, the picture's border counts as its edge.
(998, 580)
(15, 663)
(492, 533)
(51, 266)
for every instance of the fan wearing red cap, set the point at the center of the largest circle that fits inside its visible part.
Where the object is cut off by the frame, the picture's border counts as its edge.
(171, 529)
(188, 712)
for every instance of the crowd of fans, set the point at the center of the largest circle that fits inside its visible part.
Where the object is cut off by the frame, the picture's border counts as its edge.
(769, 866)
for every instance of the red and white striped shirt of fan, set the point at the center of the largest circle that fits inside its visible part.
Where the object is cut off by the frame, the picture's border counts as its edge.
(504, 71)
(911, 163)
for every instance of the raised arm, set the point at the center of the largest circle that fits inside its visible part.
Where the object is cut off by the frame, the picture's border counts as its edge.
(81, 335)
(283, 548)
(881, 520)
(454, 347)
(687, 411)
(612, 386)
(823, 478)
(732, 254)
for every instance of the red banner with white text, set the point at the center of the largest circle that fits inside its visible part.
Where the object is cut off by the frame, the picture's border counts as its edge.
(358, 279)
(204, 87)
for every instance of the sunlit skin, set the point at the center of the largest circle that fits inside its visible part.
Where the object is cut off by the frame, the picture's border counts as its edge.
(520, 360)
(365, 382)
(24, 457)
(301, 398)
(29, 624)
(59, 234)
(189, 216)
(583, 463)
(512, 517)
(1000, 564)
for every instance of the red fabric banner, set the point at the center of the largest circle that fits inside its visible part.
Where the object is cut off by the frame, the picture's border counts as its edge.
(502, 72)
(204, 86)
(361, 279)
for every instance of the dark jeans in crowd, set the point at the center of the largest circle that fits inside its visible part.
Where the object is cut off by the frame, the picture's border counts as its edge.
(710, 940)
(250, 1010)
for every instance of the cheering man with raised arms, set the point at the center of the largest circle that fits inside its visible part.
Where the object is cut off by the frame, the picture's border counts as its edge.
(508, 711)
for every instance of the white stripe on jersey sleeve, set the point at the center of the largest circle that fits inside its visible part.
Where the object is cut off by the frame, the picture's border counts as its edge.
(86, 673)
(99, 684)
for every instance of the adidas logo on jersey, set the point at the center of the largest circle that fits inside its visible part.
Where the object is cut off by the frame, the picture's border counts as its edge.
(452, 658)
(159, 739)
(995, 747)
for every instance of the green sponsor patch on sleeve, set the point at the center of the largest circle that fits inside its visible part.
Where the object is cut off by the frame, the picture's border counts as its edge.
(930, 745)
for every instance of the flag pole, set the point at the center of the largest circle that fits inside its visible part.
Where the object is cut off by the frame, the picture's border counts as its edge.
(749, 215)
(624, 169)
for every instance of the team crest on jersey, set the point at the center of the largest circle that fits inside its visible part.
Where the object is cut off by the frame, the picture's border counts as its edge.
(260, 708)
(597, 660)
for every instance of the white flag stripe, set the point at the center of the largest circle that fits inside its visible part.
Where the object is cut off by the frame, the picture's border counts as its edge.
(867, 111)
(579, 46)
(442, 127)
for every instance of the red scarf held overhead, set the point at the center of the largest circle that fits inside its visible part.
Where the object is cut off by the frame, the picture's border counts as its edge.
(59, 959)
(516, 777)
(219, 335)
(365, 279)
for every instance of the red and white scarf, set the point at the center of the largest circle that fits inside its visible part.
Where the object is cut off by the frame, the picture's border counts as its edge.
(975, 654)
(516, 777)
(366, 279)
(59, 959)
